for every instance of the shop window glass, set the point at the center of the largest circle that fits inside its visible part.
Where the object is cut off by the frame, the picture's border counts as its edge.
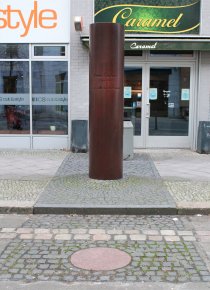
(133, 52)
(14, 97)
(133, 97)
(169, 101)
(49, 51)
(178, 53)
(50, 97)
(14, 51)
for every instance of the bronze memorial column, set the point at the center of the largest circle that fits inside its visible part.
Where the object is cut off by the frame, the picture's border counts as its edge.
(106, 101)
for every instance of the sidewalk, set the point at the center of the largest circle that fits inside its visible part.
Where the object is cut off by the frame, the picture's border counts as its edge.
(166, 181)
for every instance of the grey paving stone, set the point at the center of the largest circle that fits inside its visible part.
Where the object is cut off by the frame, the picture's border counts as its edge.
(63, 237)
(113, 224)
(151, 260)
(72, 187)
(143, 253)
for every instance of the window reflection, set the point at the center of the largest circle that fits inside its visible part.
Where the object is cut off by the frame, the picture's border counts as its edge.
(50, 97)
(14, 98)
(49, 51)
(133, 97)
(172, 53)
(15, 51)
(169, 101)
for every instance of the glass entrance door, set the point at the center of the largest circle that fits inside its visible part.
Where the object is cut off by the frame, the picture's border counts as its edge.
(133, 97)
(169, 107)
(157, 101)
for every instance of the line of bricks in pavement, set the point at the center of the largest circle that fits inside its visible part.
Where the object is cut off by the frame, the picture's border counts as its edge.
(103, 235)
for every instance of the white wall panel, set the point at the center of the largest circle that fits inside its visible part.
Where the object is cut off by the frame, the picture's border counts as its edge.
(79, 61)
(205, 18)
(204, 88)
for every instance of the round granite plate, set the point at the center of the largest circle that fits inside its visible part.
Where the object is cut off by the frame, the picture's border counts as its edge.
(100, 259)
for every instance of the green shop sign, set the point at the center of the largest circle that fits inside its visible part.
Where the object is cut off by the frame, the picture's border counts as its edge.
(166, 45)
(180, 17)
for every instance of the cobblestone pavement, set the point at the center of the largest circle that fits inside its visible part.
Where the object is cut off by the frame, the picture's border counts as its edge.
(140, 187)
(163, 248)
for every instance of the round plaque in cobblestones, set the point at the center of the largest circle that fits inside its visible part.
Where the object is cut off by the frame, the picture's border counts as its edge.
(100, 259)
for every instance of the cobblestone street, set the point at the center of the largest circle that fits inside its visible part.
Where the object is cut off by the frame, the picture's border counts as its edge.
(165, 249)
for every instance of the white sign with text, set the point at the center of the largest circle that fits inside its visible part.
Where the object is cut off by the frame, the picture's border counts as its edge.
(50, 99)
(14, 99)
(37, 99)
(35, 21)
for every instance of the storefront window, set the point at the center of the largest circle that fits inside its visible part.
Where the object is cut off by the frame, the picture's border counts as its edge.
(49, 51)
(14, 97)
(50, 97)
(14, 51)
(133, 52)
(172, 53)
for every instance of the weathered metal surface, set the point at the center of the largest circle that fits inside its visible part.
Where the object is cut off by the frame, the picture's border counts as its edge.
(106, 101)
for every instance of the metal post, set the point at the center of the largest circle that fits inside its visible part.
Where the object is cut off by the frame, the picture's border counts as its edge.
(106, 101)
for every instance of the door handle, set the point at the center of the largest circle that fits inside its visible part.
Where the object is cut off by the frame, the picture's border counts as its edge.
(148, 110)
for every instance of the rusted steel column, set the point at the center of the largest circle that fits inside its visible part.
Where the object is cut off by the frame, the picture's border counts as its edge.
(106, 101)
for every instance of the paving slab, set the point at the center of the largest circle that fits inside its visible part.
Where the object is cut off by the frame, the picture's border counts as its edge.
(29, 164)
(186, 175)
(12, 220)
(3, 244)
(23, 176)
(200, 223)
(183, 164)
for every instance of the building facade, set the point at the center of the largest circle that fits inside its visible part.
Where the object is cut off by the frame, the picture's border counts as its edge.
(44, 71)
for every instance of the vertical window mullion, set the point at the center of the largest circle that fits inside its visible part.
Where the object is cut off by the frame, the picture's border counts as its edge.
(30, 92)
